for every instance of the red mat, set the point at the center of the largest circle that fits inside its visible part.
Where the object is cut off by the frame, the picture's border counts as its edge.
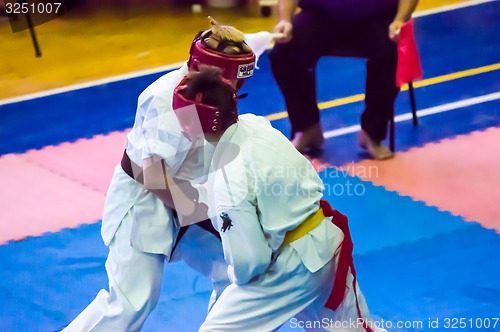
(56, 187)
(64, 186)
(460, 175)
(90, 162)
(36, 200)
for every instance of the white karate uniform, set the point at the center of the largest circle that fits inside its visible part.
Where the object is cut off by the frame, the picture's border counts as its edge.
(267, 188)
(139, 229)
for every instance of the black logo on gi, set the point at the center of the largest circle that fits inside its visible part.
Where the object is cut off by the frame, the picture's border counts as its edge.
(226, 222)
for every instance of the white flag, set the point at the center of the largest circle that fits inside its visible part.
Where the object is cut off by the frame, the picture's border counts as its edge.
(258, 42)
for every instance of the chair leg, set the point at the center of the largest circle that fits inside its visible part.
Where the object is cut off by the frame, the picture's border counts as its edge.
(392, 139)
(413, 103)
(38, 53)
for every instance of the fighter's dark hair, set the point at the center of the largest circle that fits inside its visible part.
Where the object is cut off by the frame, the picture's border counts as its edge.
(208, 82)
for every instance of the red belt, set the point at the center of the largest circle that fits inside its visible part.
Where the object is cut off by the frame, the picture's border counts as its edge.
(345, 262)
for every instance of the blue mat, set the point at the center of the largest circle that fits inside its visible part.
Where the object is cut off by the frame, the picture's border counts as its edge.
(414, 263)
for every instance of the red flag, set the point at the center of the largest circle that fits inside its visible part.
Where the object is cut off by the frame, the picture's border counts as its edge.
(409, 67)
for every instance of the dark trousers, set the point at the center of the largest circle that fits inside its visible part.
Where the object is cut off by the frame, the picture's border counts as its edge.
(316, 35)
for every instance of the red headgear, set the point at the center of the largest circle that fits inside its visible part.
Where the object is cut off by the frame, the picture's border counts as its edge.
(196, 117)
(234, 66)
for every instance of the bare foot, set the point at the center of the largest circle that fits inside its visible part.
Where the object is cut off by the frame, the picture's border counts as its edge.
(309, 139)
(377, 150)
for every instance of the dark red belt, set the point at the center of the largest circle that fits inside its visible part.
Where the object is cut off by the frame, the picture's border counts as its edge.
(126, 164)
(345, 262)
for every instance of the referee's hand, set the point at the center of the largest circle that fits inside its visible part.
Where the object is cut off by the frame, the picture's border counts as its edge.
(285, 29)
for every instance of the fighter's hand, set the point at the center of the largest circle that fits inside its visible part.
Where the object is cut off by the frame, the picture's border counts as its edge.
(285, 29)
(200, 213)
(395, 29)
(186, 202)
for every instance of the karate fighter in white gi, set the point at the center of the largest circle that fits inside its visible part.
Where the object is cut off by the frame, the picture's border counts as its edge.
(137, 226)
(289, 253)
